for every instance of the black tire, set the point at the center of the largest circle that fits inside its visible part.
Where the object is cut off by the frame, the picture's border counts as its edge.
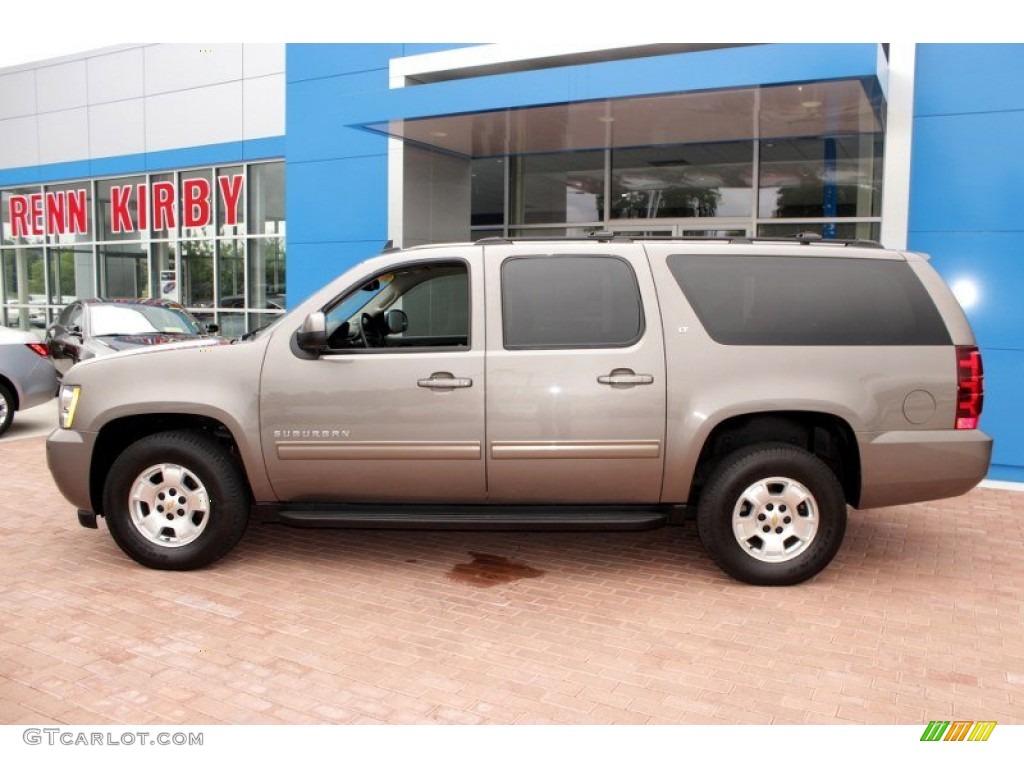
(772, 515)
(176, 501)
(6, 408)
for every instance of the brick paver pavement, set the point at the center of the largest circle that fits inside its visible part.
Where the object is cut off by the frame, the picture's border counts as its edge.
(920, 617)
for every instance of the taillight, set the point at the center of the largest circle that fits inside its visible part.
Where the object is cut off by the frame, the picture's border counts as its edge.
(970, 387)
(39, 348)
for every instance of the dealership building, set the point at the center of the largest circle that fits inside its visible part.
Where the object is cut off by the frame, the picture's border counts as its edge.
(238, 178)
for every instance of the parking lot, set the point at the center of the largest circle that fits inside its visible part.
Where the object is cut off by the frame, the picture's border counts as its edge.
(919, 618)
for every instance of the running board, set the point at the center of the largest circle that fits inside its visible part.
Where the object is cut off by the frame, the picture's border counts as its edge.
(468, 518)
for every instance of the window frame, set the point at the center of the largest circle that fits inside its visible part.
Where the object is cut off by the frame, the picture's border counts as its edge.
(422, 349)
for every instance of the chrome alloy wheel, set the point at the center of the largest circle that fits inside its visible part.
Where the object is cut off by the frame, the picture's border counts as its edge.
(775, 519)
(169, 505)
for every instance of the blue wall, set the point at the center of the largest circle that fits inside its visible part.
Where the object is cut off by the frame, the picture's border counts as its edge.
(168, 159)
(967, 183)
(336, 201)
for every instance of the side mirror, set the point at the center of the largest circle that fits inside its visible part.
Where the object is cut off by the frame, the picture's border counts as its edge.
(312, 334)
(212, 327)
(397, 321)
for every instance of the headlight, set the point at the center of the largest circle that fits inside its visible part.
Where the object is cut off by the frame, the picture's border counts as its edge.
(69, 394)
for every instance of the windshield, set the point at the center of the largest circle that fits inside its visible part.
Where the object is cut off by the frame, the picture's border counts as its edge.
(130, 319)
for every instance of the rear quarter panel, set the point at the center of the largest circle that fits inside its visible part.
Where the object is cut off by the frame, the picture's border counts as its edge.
(708, 382)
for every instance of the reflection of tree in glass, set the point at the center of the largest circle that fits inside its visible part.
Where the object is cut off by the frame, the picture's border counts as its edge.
(667, 202)
(197, 272)
(273, 264)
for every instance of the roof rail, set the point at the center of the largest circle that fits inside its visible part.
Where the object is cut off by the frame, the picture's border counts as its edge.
(604, 236)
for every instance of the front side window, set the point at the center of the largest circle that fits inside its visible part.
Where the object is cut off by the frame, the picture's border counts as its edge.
(414, 306)
(554, 302)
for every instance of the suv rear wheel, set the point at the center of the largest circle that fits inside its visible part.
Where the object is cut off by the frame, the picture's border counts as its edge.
(176, 501)
(772, 514)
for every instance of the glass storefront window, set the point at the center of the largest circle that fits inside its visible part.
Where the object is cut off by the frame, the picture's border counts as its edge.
(266, 199)
(71, 273)
(24, 216)
(122, 208)
(683, 181)
(70, 216)
(488, 192)
(24, 288)
(196, 273)
(844, 230)
(565, 187)
(266, 273)
(166, 283)
(144, 236)
(230, 196)
(540, 233)
(124, 271)
(821, 178)
(195, 201)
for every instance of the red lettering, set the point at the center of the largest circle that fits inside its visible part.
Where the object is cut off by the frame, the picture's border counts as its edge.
(142, 206)
(120, 218)
(56, 215)
(163, 206)
(19, 215)
(77, 208)
(35, 204)
(230, 190)
(196, 207)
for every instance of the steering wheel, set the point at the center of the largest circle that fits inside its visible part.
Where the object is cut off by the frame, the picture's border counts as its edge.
(369, 335)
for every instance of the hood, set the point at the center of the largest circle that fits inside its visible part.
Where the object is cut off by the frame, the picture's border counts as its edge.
(133, 341)
(132, 350)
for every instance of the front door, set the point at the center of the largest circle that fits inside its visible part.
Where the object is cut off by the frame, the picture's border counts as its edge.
(393, 410)
(575, 375)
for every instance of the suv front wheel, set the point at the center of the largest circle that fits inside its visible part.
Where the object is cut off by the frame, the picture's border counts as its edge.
(176, 501)
(772, 514)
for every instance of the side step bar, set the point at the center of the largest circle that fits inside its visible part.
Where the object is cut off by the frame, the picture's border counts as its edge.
(469, 518)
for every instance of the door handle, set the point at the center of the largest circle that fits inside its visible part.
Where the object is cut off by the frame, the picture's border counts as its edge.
(444, 380)
(624, 377)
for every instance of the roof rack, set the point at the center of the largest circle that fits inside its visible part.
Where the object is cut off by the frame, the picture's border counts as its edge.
(605, 236)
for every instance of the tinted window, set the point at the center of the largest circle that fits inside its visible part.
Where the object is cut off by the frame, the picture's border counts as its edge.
(771, 300)
(570, 301)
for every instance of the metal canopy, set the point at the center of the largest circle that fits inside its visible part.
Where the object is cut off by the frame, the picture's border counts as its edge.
(841, 107)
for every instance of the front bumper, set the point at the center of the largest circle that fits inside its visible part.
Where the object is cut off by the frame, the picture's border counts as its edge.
(69, 457)
(912, 466)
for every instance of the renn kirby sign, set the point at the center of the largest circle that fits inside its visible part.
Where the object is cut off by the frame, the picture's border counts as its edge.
(65, 212)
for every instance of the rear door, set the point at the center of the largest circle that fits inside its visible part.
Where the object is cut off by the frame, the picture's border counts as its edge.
(575, 375)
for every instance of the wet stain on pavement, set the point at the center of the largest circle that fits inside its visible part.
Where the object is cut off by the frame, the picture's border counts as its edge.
(490, 570)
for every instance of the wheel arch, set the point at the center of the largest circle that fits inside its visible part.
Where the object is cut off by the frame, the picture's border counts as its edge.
(117, 435)
(11, 387)
(825, 435)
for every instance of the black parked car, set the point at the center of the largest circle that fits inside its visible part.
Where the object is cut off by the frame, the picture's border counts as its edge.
(93, 327)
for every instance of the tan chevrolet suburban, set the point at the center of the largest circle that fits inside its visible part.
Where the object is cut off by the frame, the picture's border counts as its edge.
(599, 383)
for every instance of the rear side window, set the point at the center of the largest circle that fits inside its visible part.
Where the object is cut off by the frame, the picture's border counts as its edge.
(809, 301)
(553, 302)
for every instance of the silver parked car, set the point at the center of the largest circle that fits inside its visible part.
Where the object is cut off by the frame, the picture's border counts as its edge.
(27, 377)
